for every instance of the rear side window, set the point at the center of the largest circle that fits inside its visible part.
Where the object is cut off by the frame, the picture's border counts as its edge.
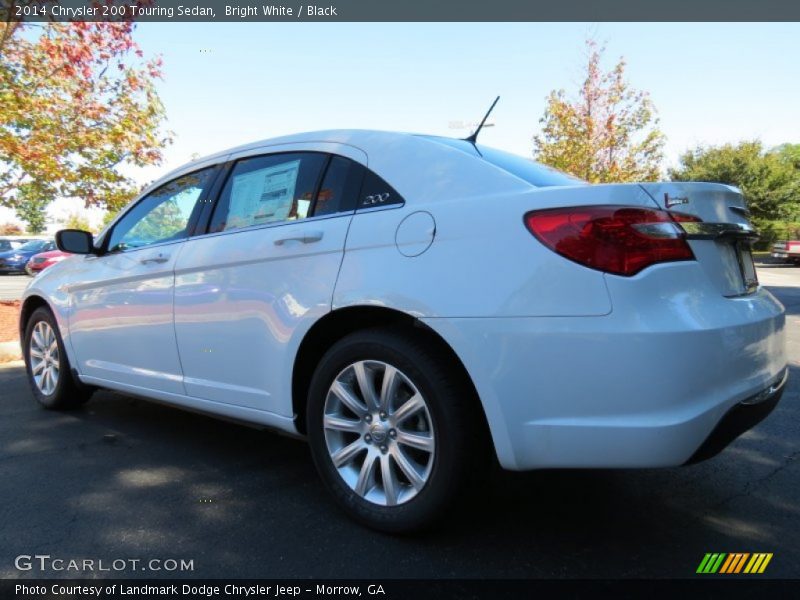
(340, 187)
(268, 189)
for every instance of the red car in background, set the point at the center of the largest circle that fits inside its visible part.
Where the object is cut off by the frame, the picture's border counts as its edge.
(39, 262)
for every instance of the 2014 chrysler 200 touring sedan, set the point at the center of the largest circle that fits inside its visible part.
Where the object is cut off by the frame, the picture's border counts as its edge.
(413, 304)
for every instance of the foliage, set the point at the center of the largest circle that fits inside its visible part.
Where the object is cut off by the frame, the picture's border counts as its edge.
(10, 229)
(789, 153)
(77, 221)
(609, 133)
(108, 216)
(769, 181)
(31, 207)
(77, 101)
(164, 221)
(772, 231)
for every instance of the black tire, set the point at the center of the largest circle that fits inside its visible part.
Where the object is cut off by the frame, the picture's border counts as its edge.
(452, 408)
(67, 394)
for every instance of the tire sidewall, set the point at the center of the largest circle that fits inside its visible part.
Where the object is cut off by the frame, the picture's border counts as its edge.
(57, 398)
(434, 496)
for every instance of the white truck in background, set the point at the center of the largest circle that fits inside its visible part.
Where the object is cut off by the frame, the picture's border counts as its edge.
(787, 251)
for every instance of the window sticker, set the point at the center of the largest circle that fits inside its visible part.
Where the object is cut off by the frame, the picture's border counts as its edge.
(263, 196)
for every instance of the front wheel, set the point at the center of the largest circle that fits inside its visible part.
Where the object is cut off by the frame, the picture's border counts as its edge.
(47, 365)
(390, 423)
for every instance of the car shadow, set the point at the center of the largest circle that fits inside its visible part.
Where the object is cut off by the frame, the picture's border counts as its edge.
(123, 477)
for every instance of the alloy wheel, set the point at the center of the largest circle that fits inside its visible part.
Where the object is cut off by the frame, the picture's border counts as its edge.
(45, 358)
(379, 432)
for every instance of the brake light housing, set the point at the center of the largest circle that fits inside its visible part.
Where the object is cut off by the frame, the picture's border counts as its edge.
(622, 240)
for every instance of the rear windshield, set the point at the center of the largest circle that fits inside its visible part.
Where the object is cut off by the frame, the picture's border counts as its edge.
(533, 172)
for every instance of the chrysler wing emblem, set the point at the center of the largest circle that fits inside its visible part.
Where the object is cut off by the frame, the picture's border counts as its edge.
(669, 202)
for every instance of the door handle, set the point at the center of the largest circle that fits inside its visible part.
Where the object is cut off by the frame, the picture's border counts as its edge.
(307, 237)
(154, 259)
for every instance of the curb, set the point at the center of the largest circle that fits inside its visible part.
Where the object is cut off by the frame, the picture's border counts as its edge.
(10, 351)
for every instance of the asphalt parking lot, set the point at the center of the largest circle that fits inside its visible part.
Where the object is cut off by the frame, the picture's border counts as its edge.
(125, 478)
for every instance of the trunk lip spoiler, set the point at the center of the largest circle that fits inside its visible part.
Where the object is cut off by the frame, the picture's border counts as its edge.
(702, 230)
(742, 235)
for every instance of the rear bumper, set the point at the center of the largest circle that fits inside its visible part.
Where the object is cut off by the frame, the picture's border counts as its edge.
(743, 416)
(641, 387)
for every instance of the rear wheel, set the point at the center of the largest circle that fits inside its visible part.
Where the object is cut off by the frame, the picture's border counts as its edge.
(390, 424)
(46, 363)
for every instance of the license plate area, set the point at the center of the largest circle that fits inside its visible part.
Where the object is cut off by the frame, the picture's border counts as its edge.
(747, 268)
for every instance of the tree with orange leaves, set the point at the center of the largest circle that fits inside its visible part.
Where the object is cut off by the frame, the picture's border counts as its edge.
(609, 133)
(77, 102)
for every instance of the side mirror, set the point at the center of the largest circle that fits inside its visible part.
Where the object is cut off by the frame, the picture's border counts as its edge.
(75, 241)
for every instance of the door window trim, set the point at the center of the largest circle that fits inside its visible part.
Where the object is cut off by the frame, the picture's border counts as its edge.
(194, 218)
(227, 173)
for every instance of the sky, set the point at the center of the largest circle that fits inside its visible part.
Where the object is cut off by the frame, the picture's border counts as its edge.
(230, 83)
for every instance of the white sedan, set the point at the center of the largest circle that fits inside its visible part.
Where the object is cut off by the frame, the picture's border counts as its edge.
(416, 307)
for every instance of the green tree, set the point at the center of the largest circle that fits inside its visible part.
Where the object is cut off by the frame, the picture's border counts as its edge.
(769, 181)
(31, 207)
(164, 221)
(608, 133)
(790, 153)
(108, 216)
(77, 221)
(77, 102)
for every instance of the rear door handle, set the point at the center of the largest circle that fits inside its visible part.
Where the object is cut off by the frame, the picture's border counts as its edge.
(154, 259)
(307, 237)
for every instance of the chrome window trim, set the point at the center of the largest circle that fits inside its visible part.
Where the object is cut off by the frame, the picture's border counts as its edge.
(271, 225)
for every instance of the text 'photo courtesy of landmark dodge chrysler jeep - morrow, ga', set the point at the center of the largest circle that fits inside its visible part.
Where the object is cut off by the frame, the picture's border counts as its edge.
(415, 305)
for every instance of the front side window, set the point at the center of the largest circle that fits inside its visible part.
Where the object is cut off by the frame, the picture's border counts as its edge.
(268, 189)
(163, 215)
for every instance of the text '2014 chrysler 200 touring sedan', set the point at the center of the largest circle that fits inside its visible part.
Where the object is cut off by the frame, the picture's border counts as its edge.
(413, 304)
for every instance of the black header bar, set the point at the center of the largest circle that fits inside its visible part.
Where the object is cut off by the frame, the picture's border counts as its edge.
(401, 10)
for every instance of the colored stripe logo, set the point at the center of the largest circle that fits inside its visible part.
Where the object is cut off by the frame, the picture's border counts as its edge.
(734, 563)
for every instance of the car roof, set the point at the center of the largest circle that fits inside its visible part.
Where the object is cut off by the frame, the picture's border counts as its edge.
(388, 153)
(365, 139)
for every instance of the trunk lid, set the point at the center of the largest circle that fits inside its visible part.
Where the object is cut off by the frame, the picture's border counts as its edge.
(722, 241)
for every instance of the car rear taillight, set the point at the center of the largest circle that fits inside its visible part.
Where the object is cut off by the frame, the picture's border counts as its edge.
(621, 240)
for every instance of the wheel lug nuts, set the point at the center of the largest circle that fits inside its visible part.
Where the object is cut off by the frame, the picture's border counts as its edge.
(368, 438)
(383, 448)
(383, 416)
(392, 433)
(368, 418)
